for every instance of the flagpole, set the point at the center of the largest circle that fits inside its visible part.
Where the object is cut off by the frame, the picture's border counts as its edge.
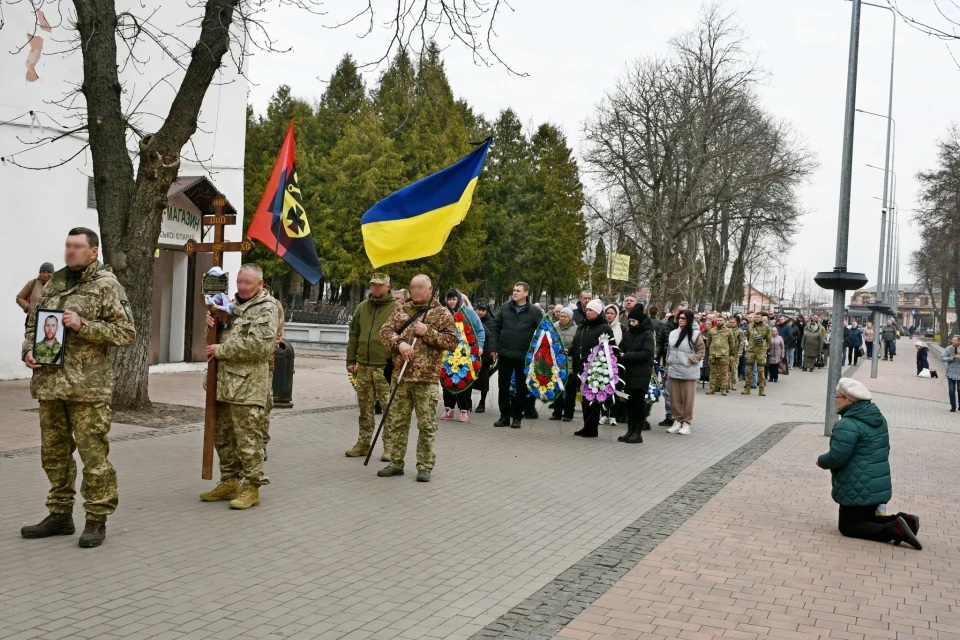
(395, 387)
(276, 253)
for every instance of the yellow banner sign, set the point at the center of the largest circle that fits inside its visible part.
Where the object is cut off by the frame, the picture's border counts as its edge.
(619, 267)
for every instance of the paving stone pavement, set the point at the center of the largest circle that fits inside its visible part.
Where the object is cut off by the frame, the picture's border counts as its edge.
(334, 551)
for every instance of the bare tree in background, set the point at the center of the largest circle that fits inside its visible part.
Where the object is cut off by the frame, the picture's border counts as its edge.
(130, 202)
(703, 172)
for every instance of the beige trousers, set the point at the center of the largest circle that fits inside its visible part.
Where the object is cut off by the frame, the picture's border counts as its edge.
(682, 393)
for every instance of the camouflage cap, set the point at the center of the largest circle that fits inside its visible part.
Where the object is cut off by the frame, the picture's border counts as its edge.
(379, 278)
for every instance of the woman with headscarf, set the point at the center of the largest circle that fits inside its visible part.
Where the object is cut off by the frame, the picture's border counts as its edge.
(685, 351)
(456, 302)
(567, 330)
(636, 353)
(859, 460)
(588, 336)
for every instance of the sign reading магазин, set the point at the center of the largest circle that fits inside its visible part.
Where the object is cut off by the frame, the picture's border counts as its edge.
(178, 226)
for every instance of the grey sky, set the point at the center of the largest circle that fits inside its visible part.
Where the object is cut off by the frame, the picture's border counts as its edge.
(574, 54)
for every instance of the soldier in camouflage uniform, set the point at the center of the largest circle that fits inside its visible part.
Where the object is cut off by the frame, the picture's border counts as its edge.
(738, 334)
(758, 344)
(243, 382)
(75, 398)
(367, 358)
(273, 366)
(722, 344)
(419, 391)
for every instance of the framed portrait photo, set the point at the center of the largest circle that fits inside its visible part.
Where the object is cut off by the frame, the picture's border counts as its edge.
(49, 338)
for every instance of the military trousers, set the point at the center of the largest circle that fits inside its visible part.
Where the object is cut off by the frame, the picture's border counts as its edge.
(68, 426)
(373, 386)
(760, 359)
(266, 418)
(719, 374)
(238, 438)
(422, 398)
(733, 374)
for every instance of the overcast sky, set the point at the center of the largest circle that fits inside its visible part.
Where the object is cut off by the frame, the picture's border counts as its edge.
(574, 51)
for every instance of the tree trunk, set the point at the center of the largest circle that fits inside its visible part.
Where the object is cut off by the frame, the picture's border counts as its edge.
(130, 211)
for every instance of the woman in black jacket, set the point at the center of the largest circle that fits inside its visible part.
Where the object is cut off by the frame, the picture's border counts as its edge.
(636, 353)
(587, 337)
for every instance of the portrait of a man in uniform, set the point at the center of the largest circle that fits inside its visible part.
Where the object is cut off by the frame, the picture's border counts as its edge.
(48, 349)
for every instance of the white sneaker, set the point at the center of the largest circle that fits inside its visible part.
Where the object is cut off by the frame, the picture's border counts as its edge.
(604, 420)
(613, 422)
(685, 429)
(675, 428)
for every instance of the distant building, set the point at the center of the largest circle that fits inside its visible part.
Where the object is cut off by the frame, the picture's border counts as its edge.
(915, 307)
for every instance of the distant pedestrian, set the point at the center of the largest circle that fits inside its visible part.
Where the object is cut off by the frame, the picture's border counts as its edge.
(859, 460)
(853, 341)
(812, 345)
(29, 296)
(951, 357)
(777, 353)
(868, 335)
(922, 361)
(889, 337)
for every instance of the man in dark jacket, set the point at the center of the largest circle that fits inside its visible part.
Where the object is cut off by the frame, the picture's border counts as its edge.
(510, 336)
(859, 460)
(579, 314)
(669, 324)
(889, 337)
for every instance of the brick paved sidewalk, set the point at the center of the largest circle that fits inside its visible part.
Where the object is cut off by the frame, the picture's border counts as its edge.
(763, 558)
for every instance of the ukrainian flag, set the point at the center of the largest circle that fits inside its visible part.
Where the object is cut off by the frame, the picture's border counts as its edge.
(414, 222)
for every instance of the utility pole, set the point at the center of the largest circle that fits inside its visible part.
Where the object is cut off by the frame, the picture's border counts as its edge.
(840, 280)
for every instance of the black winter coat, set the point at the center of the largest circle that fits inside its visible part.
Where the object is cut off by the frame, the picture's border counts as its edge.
(637, 351)
(578, 314)
(587, 337)
(487, 322)
(512, 330)
(664, 337)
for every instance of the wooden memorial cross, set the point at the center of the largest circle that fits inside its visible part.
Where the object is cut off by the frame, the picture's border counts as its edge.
(218, 247)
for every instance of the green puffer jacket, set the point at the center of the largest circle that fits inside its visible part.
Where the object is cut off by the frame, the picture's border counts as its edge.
(859, 457)
(364, 346)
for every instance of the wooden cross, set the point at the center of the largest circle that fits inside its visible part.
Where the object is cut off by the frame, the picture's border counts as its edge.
(218, 247)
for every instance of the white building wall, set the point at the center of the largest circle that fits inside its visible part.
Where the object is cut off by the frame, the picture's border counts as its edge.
(39, 207)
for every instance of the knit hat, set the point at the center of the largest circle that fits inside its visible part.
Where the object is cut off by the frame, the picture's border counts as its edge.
(918, 343)
(850, 388)
(637, 312)
(596, 306)
(47, 266)
(481, 303)
(567, 311)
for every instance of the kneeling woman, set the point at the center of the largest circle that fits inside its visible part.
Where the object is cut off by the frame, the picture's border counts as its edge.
(859, 459)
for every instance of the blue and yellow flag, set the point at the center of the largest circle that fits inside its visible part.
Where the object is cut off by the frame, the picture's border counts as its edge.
(414, 222)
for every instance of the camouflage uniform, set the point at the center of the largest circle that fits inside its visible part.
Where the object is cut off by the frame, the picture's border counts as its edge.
(722, 344)
(243, 383)
(420, 389)
(273, 366)
(370, 355)
(47, 354)
(758, 344)
(74, 399)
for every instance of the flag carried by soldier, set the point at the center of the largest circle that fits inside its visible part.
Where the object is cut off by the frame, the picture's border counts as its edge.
(280, 222)
(415, 222)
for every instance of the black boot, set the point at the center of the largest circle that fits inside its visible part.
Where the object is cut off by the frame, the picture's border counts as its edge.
(93, 534)
(481, 407)
(625, 436)
(634, 436)
(55, 524)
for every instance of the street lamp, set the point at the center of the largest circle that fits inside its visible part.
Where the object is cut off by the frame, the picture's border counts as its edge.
(840, 280)
(888, 161)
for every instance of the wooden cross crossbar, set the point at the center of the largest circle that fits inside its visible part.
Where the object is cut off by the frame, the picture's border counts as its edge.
(218, 247)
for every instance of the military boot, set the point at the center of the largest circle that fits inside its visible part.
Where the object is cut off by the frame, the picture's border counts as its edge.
(226, 490)
(55, 524)
(746, 390)
(762, 392)
(386, 456)
(712, 391)
(423, 476)
(389, 471)
(249, 497)
(359, 450)
(93, 534)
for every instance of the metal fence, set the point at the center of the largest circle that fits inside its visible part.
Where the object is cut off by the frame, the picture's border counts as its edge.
(321, 313)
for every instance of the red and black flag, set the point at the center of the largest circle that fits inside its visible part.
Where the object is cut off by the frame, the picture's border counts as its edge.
(280, 222)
